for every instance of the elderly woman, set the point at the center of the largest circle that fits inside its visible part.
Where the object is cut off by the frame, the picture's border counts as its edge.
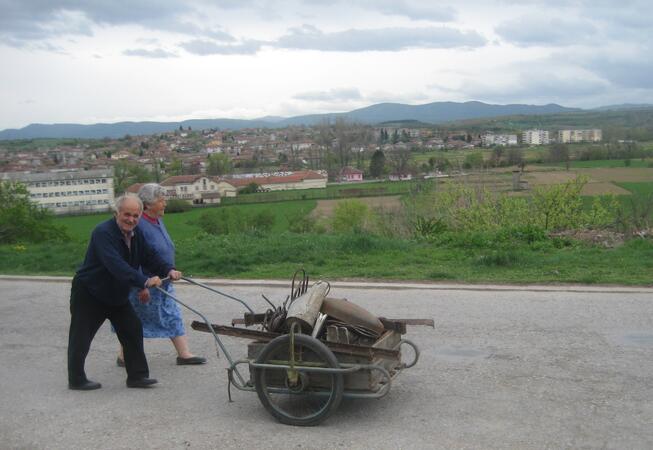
(158, 313)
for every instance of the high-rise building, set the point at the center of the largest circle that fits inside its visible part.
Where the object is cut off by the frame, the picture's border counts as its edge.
(570, 136)
(536, 137)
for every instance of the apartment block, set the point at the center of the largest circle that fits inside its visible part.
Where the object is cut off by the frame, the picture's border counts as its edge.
(490, 139)
(71, 192)
(570, 136)
(535, 137)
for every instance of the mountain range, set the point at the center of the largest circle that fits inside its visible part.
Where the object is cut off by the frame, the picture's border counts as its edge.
(430, 113)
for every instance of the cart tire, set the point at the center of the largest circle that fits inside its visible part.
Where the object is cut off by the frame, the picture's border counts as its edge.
(314, 398)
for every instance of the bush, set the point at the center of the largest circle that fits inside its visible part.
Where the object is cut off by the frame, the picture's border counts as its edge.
(24, 221)
(176, 205)
(233, 221)
(349, 216)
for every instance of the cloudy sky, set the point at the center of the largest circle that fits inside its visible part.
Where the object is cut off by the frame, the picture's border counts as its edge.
(75, 61)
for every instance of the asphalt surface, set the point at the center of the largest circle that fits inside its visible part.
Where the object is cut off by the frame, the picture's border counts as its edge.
(528, 367)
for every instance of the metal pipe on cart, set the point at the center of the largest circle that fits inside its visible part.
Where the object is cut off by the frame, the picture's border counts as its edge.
(208, 324)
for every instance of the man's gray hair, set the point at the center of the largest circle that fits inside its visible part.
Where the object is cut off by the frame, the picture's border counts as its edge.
(117, 205)
(149, 193)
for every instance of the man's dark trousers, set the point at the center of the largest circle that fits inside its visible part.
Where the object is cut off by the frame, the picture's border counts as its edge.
(87, 315)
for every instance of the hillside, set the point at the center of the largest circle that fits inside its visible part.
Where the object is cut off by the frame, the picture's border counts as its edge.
(431, 113)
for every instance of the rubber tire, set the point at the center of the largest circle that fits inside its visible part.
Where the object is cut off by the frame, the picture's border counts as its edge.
(326, 355)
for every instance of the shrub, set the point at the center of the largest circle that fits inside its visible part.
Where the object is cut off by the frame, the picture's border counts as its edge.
(232, 221)
(349, 216)
(24, 221)
(176, 205)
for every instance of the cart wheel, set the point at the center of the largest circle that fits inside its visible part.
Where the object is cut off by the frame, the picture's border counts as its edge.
(307, 398)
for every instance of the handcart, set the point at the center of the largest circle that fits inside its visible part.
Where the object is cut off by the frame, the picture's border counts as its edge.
(302, 371)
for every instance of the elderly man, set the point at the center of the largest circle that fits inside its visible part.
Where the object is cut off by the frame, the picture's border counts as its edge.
(100, 291)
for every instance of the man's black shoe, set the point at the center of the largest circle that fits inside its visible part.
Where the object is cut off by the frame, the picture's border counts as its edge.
(87, 385)
(141, 382)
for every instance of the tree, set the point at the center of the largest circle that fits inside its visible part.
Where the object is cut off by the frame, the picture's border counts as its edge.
(399, 159)
(473, 161)
(559, 153)
(515, 157)
(24, 221)
(219, 164)
(377, 163)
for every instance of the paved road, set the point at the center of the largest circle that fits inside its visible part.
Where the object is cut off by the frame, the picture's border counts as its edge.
(503, 369)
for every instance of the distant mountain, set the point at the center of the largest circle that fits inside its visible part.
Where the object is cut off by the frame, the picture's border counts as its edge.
(430, 113)
(624, 106)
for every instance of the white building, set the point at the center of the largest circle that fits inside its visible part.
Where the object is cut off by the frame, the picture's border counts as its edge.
(490, 139)
(198, 189)
(536, 137)
(306, 179)
(568, 136)
(74, 192)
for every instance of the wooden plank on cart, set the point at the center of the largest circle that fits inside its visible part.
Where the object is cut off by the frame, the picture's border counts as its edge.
(266, 336)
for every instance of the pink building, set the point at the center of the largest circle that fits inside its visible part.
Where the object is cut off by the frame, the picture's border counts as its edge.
(350, 174)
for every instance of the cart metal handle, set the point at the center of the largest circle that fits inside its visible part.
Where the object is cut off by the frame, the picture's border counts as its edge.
(197, 283)
(415, 349)
(208, 324)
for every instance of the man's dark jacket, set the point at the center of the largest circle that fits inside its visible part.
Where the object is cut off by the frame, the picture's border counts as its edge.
(110, 268)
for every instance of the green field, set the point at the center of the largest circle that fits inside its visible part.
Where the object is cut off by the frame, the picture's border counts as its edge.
(461, 257)
(605, 163)
(184, 225)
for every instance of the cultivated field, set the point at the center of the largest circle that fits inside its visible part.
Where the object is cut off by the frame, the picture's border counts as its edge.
(325, 208)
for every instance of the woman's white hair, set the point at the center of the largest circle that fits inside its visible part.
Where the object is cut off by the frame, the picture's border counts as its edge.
(117, 205)
(149, 193)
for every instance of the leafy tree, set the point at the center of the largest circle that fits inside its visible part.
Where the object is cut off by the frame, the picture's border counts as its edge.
(399, 158)
(395, 137)
(473, 161)
(219, 164)
(377, 163)
(21, 220)
(515, 157)
(251, 188)
(559, 153)
(176, 167)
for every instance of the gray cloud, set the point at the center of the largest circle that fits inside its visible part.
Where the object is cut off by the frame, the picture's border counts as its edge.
(380, 39)
(24, 21)
(204, 47)
(413, 10)
(330, 95)
(529, 31)
(625, 71)
(536, 85)
(145, 53)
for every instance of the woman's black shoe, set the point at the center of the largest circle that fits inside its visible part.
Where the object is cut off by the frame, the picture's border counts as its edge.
(192, 361)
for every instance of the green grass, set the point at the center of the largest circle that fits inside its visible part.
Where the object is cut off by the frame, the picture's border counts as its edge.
(605, 163)
(472, 258)
(184, 224)
(327, 256)
(643, 189)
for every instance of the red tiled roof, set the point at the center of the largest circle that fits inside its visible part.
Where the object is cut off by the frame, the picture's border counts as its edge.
(183, 179)
(350, 170)
(293, 178)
